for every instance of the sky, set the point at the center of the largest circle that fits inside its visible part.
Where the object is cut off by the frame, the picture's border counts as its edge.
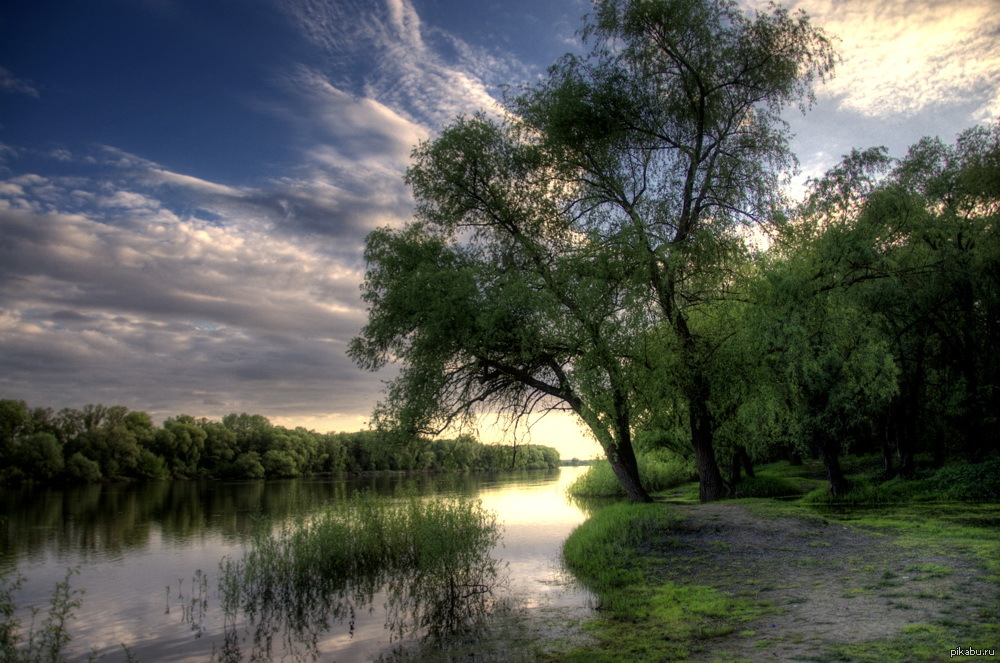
(186, 185)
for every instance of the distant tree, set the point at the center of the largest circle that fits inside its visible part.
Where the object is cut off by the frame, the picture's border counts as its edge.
(149, 466)
(80, 468)
(252, 431)
(220, 445)
(180, 443)
(248, 466)
(279, 464)
(40, 456)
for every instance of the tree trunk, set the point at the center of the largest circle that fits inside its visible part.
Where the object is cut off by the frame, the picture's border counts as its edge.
(831, 460)
(625, 467)
(888, 450)
(740, 460)
(711, 486)
(747, 462)
(734, 469)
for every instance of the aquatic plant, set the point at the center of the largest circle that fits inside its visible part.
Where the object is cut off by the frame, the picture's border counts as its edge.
(430, 558)
(43, 642)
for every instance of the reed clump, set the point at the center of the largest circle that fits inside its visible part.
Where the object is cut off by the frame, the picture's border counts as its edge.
(431, 559)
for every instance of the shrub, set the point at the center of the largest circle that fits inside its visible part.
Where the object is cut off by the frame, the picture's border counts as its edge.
(979, 482)
(658, 470)
(151, 466)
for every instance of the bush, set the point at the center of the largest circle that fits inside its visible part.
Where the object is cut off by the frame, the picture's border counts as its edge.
(40, 456)
(247, 466)
(81, 468)
(973, 483)
(658, 470)
(151, 466)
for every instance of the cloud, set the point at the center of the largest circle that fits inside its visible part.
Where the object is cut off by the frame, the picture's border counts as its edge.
(10, 83)
(162, 176)
(902, 56)
(402, 69)
(124, 300)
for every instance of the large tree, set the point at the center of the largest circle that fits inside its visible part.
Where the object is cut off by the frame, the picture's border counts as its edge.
(560, 253)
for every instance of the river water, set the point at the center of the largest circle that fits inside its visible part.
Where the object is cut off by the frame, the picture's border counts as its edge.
(148, 554)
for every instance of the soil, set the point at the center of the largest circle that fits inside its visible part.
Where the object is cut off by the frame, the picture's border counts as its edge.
(828, 584)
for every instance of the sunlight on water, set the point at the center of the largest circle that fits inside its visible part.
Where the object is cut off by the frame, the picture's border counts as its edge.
(138, 548)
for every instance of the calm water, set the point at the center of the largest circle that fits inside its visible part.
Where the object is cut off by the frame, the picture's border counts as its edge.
(138, 547)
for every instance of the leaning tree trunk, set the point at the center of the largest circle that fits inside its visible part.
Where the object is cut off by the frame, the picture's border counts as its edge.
(625, 467)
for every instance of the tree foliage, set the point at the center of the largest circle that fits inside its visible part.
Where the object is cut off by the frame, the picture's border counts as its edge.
(78, 446)
(560, 253)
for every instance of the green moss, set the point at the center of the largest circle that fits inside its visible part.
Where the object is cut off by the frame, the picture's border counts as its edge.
(920, 642)
(646, 619)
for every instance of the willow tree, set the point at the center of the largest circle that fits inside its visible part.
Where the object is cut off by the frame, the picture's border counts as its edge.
(602, 212)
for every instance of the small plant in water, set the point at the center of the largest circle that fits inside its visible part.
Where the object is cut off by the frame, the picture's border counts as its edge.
(46, 641)
(431, 558)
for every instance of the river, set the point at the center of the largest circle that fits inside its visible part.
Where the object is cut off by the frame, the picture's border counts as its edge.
(141, 550)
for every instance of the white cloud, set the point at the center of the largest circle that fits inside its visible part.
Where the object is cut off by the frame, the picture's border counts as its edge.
(195, 184)
(11, 83)
(902, 56)
(126, 302)
(401, 70)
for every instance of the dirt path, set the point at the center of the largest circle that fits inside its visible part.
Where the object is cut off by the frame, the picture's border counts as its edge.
(830, 584)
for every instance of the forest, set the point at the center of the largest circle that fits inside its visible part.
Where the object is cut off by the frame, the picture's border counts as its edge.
(112, 443)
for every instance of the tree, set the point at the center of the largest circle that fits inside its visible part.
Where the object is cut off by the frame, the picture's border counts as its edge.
(180, 443)
(40, 456)
(902, 257)
(606, 206)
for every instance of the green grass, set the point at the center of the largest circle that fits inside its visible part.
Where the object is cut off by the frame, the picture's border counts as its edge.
(948, 512)
(648, 619)
(432, 558)
(767, 486)
(657, 471)
(919, 643)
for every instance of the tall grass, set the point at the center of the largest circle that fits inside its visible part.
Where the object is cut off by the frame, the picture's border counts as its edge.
(431, 558)
(657, 471)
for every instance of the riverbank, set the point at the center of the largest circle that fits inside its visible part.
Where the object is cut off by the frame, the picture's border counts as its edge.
(767, 580)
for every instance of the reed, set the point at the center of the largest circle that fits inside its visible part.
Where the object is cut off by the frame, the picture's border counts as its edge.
(430, 558)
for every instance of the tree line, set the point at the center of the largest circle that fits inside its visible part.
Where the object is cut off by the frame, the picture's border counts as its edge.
(619, 243)
(111, 443)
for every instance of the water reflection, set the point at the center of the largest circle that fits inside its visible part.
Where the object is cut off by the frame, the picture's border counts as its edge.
(134, 541)
(430, 559)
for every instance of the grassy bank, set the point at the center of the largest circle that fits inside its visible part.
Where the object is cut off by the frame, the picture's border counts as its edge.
(891, 573)
(619, 553)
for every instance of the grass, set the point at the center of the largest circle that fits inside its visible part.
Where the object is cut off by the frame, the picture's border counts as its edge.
(951, 512)
(657, 472)
(648, 619)
(431, 558)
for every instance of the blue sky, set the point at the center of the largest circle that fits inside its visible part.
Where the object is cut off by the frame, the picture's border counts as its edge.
(185, 185)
